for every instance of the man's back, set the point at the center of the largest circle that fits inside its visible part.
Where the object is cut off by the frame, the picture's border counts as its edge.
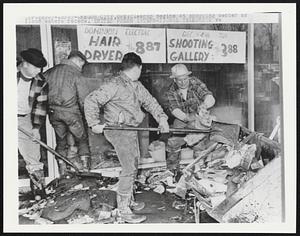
(64, 83)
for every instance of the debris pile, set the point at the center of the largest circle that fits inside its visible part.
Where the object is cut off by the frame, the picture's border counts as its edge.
(218, 168)
(217, 172)
(73, 199)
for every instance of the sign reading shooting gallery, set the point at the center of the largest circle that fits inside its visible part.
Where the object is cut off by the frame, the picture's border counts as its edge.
(109, 44)
(205, 46)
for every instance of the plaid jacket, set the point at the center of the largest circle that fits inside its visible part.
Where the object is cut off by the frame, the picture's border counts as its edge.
(195, 95)
(38, 99)
(67, 86)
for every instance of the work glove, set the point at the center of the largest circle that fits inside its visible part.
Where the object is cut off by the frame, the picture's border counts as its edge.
(205, 118)
(202, 106)
(98, 129)
(164, 125)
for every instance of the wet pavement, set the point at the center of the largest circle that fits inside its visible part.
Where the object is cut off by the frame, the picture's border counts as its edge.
(159, 208)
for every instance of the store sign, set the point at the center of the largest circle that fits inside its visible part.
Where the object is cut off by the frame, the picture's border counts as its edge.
(205, 46)
(109, 44)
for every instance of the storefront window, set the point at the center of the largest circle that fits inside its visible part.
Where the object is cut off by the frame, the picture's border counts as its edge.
(267, 77)
(64, 39)
(228, 82)
(28, 36)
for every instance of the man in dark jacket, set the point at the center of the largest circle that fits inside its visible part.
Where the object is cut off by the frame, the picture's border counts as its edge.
(67, 90)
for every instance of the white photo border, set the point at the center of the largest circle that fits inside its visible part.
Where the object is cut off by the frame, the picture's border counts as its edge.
(16, 13)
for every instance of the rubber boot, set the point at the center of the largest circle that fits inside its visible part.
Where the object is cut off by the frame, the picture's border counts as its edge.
(77, 162)
(136, 206)
(62, 167)
(72, 152)
(173, 159)
(126, 215)
(37, 183)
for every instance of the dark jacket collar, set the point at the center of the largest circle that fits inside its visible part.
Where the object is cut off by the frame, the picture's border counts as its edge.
(70, 63)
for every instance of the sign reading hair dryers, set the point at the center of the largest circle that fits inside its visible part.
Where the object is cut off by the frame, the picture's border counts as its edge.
(109, 44)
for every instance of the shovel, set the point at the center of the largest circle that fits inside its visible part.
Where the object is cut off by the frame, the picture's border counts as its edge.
(77, 171)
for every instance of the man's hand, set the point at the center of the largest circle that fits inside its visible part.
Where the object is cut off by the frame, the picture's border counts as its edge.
(36, 133)
(98, 129)
(203, 106)
(164, 126)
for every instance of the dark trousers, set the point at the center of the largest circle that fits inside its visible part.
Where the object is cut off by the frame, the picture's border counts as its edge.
(65, 122)
(174, 146)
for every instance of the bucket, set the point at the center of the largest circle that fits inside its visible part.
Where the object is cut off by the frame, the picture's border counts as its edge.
(159, 153)
(186, 154)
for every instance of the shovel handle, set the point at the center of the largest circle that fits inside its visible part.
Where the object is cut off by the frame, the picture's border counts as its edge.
(172, 130)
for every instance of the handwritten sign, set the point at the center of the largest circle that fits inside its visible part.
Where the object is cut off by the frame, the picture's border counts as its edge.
(205, 46)
(109, 44)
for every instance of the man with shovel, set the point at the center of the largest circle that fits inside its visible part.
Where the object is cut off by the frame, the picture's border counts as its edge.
(32, 106)
(122, 98)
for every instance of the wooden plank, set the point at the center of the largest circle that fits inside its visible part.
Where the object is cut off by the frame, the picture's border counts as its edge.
(251, 185)
(202, 155)
(264, 205)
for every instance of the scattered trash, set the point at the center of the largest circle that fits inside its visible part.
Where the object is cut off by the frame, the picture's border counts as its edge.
(158, 177)
(81, 220)
(181, 187)
(192, 139)
(233, 159)
(169, 181)
(157, 151)
(163, 208)
(104, 215)
(159, 189)
(241, 157)
(248, 153)
(186, 154)
(65, 205)
(257, 165)
(218, 170)
(176, 218)
(212, 187)
(178, 205)
(42, 221)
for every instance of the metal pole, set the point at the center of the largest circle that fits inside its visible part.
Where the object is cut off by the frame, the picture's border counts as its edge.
(47, 49)
(48, 148)
(251, 77)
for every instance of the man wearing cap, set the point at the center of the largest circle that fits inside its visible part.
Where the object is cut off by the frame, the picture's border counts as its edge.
(67, 90)
(186, 97)
(32, 107)
(123, 96)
